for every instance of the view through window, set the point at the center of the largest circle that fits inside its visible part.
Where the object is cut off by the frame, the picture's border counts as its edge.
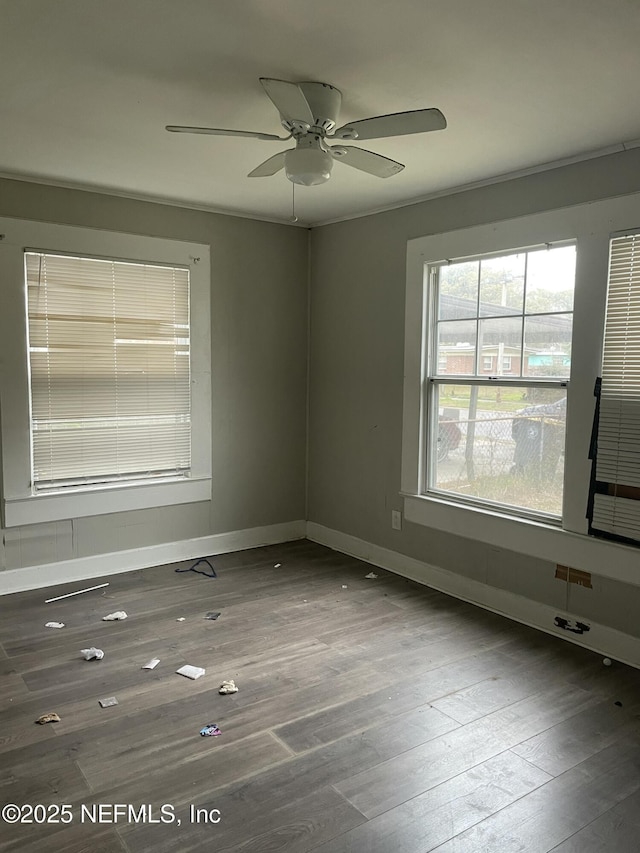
(498, 367)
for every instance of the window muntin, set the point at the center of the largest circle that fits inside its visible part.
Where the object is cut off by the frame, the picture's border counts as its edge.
(492, 441)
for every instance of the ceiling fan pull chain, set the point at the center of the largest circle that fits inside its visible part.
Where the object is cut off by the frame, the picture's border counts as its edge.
(294, 218)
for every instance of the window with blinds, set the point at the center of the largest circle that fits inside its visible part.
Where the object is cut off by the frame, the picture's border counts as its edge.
(109, 363)
(616, 505)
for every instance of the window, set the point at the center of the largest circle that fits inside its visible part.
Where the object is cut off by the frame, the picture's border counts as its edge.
(438, 493)
(106, 384)
(500, 441)
(109, 370)
(616, 505)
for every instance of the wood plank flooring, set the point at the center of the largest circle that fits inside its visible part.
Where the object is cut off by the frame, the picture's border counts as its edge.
(373, 716)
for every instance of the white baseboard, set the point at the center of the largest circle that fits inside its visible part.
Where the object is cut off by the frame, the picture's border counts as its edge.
(86, 568)
(600, 638)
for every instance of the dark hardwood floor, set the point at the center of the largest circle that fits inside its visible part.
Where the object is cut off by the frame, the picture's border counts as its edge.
(383, 717)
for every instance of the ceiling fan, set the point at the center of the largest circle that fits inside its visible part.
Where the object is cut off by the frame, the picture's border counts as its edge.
(309, 113)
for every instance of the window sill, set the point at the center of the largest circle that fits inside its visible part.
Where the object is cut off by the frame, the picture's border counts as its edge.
(34, 509)
(525, 536)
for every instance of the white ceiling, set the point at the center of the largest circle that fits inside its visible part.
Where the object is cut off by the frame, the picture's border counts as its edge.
(88, 86)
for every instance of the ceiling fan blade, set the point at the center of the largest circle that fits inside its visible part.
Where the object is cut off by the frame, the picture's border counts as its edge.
(396, 124)
(218, 131)
(289, 100)
(269, 167)
(366, 161)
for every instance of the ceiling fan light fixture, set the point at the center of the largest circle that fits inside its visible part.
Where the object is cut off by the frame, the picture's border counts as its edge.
(308, 166)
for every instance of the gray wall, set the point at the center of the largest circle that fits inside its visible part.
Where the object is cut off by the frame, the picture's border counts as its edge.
(259, 373)
(259, 354)
(356, 378)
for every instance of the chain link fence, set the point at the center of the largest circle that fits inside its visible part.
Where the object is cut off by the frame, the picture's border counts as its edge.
(493, 444)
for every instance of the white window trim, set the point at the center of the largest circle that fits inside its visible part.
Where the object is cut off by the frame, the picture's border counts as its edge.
(591, 226)
(20, 504)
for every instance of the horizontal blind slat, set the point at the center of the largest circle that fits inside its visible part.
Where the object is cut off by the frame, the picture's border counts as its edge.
(619, 516)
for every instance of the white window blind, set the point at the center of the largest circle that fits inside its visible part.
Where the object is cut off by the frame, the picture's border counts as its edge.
(109, 370)
(617, 499)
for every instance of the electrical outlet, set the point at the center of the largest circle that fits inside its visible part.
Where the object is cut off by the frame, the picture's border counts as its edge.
(396, 519)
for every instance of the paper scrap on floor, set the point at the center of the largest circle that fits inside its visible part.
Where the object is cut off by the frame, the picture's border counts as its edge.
(191, 671)
(92, 653)
(107, 703)
(54, 625)
(153, 663)
(48, 718)
(371, 575)
(228, 687)
(115, 617)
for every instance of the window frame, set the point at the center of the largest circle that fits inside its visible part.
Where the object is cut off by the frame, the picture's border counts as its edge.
(590, 226)
(20, 504)
(436, 379)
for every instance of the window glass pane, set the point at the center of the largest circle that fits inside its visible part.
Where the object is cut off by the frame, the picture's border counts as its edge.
(502, 285)
(457, 347)
(458, 290)
(547, 342)
(551, 277)
(501, 444)
(501, 338)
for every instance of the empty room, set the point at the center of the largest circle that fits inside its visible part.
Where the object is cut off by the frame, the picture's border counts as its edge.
(320, 426)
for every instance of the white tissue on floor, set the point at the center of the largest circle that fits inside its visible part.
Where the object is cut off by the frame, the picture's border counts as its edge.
(92, 653)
